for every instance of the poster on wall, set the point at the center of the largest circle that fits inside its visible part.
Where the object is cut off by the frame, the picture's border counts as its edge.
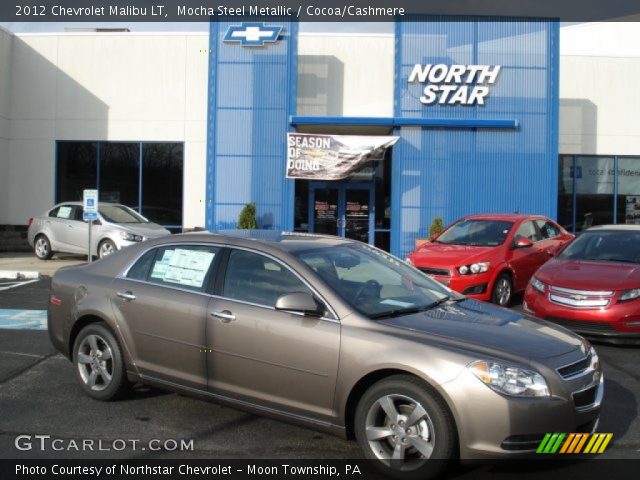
(632, 212)
(332, 157)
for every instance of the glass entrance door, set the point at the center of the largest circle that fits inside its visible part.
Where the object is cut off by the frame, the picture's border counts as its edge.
(342, 209)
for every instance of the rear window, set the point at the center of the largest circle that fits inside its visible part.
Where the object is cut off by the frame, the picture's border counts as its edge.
(182, 266)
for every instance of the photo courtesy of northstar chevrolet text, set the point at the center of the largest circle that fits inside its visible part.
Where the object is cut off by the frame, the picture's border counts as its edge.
(383, 240)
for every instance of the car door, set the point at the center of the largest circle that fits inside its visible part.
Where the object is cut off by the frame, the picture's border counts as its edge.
(553, 237)
(61, 228)
(525, 261)
(268, 356)
(161, 307)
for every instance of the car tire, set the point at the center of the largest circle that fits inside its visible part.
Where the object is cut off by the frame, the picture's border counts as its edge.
(42, 247)
(502, 293)
(106, 248)
(422, 435)
(99, 363)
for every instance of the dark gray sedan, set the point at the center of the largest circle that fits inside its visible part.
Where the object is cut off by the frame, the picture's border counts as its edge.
(330, 333)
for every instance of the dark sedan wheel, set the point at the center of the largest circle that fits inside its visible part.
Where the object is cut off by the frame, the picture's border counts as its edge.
(106, 247)
(502, 290)
(403, 424)
(99, 363)
(42, 248)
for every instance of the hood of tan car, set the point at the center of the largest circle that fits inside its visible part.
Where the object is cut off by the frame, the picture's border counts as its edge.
(484, 325)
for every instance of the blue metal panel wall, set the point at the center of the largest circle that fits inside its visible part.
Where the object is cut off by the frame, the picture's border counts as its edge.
(250, 100)
(451, 172)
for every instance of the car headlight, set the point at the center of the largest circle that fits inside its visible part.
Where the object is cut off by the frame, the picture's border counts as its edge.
(474, 268)
(630, 294)
(131, 237)
(538, 285)
(510, 380)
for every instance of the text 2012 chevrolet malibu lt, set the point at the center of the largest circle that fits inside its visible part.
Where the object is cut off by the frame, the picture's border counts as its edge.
(330, 333)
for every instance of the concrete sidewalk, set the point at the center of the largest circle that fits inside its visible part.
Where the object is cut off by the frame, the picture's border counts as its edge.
(28, 262)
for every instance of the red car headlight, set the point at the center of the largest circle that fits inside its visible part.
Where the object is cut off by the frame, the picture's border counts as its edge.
(629, 295)
(474, 268)
(538, 285)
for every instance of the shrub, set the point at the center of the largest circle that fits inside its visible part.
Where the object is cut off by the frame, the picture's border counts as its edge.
(247, 218)
(436, 227)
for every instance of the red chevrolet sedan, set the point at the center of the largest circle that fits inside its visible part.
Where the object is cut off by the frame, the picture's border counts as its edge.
(593, 285)
(490, 257)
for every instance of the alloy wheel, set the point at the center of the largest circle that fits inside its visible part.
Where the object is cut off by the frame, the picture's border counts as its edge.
(400, 432)
(503, 291)
(106, 248)
(42, 247)
(95, 362)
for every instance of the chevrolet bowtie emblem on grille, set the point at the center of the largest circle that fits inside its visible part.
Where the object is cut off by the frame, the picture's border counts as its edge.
(579, 297)
(253, 34)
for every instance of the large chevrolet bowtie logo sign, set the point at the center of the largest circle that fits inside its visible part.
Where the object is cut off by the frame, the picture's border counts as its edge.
(253, 34)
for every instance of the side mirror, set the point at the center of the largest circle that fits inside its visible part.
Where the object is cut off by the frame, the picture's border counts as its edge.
(298, 302)
(522, 243)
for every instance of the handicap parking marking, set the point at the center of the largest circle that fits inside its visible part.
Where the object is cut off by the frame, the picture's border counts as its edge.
(23, 319)
(14, 284)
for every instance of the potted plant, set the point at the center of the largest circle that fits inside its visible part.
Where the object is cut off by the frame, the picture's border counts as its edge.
(247, 217)
(436, 228)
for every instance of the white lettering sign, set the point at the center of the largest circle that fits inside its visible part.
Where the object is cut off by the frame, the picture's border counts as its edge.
(454, 84)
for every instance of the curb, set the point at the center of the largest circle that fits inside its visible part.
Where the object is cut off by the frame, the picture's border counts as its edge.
(18, 275)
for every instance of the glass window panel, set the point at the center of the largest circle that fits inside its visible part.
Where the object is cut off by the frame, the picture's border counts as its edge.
(301, 213)
(594, 177)
(162, 182)
(565, 192)
(119, 173)
(76, 169)
(629, 190)
(140, 270)
(257, 279)
(185, 266)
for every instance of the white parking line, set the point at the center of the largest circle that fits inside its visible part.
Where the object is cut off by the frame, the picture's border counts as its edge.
(15, 284)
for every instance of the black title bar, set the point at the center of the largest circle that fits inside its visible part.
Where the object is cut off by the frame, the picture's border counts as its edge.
(308, 11)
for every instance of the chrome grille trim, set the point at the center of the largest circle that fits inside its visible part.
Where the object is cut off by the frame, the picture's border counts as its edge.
(588, 293)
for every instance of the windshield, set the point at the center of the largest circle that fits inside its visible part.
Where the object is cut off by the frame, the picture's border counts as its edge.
(482, 233)
(373, 282)
(604, 246)
(120, 214)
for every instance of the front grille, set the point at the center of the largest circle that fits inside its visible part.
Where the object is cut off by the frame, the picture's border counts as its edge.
(582, 326)
(585, 397)
(575, 368)
(440, 272)
(580, 298)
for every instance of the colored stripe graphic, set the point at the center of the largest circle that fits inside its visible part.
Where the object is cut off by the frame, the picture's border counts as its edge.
(574, 442)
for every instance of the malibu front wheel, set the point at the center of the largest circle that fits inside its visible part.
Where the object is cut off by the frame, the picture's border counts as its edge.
(406, 427)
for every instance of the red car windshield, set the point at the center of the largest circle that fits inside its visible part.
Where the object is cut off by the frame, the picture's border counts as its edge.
(481, 233)
(604, 246)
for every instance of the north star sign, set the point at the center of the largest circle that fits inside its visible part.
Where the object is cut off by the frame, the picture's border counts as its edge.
(253, 34)
(454, 84)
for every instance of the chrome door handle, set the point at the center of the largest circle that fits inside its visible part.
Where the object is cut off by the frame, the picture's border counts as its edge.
(127, 296)
(226, 316)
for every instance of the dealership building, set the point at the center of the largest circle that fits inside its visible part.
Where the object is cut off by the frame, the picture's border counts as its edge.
(485, 115)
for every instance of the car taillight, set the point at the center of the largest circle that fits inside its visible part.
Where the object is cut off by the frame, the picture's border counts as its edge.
(55, 300)
(29, 222)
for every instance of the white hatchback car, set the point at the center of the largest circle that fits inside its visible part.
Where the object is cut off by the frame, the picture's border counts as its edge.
(63, 230)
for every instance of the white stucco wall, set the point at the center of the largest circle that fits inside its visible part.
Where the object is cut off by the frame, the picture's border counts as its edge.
(6, 39)
(599, 96)
(104, 86)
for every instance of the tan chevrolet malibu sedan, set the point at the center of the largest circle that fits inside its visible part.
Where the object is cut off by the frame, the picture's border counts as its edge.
(329, 333)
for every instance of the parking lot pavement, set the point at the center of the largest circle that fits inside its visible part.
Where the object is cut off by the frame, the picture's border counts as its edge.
(30, 263)
(39, 394)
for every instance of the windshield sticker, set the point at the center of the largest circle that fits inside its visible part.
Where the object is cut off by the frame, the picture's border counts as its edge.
(64, 212)
(184, 267)
(396, 303)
